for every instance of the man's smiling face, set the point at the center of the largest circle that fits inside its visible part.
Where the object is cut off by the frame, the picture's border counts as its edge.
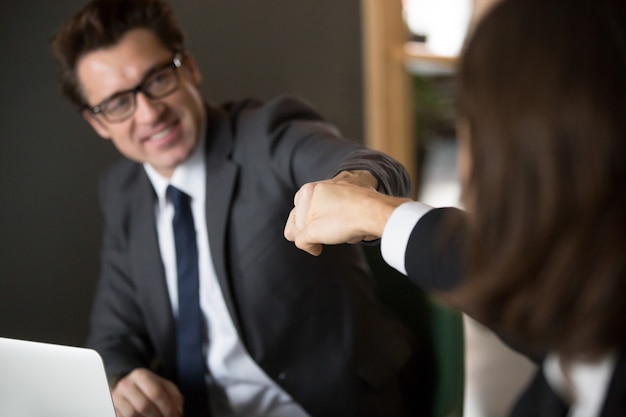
(162, 132)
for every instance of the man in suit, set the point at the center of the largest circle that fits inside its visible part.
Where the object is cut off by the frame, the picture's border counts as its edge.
(282, 334)
(539, 255)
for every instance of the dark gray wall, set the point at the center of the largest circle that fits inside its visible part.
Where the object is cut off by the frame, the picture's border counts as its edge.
(50, 159)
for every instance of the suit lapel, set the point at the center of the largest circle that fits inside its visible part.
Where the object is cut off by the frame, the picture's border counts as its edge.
(539, 400)
(615, 402)
(221, 175)
(148, 268)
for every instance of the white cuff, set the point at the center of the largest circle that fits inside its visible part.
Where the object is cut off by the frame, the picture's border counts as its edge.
(397, 231)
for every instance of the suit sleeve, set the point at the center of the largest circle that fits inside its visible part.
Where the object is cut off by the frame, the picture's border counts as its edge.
(433, 258)
(393, 179)
(304, 148)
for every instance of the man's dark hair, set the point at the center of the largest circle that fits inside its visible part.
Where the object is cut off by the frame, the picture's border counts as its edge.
(101, 24)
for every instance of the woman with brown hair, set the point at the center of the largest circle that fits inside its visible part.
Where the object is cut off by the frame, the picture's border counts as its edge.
(540, 255)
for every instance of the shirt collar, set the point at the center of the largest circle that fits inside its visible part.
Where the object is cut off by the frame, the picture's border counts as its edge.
(589, 381)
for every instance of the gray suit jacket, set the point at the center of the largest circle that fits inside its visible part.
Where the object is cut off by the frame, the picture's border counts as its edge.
(312, 323)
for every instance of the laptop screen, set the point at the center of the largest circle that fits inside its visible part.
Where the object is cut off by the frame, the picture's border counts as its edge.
(48, 380)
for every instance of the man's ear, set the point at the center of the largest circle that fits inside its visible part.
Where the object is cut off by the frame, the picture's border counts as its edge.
(189, 64)
(96, 124)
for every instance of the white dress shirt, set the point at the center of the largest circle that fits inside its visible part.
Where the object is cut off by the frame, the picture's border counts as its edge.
(589, 381)
(239, 387)
(584, 384)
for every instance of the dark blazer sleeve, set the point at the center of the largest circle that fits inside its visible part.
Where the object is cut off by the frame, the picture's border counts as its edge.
(304, 148)
(433, 257)
(393, 179)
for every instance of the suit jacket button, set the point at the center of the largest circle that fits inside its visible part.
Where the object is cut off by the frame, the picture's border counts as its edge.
(282, 376)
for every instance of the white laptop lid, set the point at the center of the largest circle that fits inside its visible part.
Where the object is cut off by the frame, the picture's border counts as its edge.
(48, 380)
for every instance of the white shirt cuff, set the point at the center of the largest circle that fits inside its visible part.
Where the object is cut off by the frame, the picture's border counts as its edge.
(397, 231)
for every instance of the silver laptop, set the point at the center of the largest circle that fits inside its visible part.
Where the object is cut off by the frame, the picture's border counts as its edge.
(48, 380)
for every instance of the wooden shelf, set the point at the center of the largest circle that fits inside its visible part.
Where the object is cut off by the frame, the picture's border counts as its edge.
(418, 51)
(388, 61)
(418, 59)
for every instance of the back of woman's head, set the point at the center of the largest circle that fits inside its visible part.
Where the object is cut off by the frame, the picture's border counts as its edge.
(542, 86)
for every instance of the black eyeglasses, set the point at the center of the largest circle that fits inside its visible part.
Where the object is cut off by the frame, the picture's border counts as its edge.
(158, 83)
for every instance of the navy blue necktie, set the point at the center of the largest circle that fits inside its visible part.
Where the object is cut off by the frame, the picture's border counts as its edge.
(189, 324)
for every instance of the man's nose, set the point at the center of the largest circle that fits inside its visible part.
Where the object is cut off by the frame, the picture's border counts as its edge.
(147, 109)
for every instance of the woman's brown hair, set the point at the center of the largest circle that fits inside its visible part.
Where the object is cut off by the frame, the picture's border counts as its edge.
(102, 23)
(542, 86)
